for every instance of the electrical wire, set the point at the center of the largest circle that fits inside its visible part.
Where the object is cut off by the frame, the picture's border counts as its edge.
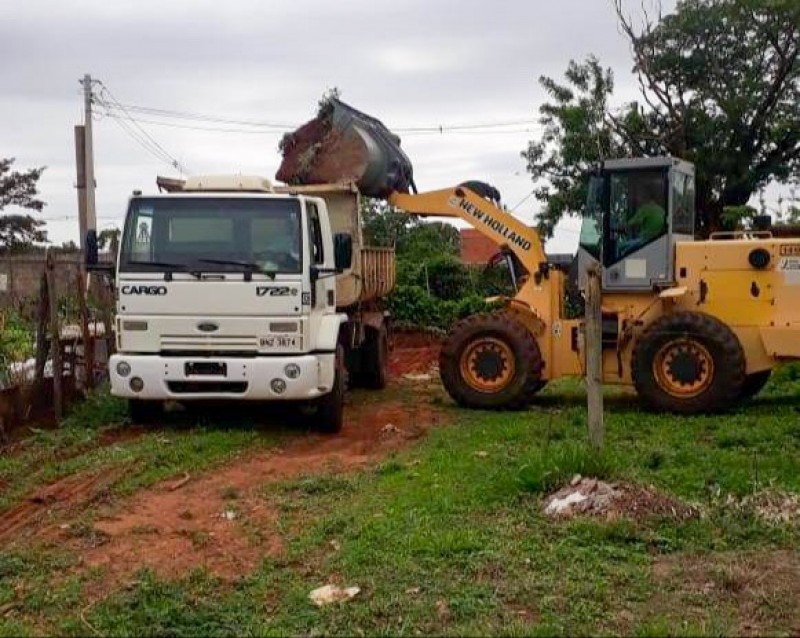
(284, 127)
(141, 136)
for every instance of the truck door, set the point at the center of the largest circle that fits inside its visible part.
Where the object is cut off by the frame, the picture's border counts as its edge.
(316, 257)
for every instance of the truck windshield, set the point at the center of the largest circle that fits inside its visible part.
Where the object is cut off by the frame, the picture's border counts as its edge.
(212, 234)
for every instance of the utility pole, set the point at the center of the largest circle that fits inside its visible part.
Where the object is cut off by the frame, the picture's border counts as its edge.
(80, 184)
(91, 213)
(594, 356)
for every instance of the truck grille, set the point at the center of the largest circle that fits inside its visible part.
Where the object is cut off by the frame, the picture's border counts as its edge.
(216, 343)
(207, 387)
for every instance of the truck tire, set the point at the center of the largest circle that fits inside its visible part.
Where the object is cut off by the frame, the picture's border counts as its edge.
(688, 363)
(144, 412)
(329, 416)
(754, 383)
(491, 361)
(375, 359)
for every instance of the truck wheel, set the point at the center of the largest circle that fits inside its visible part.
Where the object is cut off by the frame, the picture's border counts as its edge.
(375, 359)
(688, 362)
(491, 361)
(330, 408)
(754, 383)
(144, 412)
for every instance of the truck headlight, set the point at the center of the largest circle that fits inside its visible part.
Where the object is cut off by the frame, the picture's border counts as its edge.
(278, 386)
(137, 385)
(292, 370)
(123, 368)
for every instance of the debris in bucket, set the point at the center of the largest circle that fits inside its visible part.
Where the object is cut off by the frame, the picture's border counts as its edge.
(329, 594)
(595, 497)
(342, 144)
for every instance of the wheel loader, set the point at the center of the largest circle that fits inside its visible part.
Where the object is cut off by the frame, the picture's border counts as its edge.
(694, 326)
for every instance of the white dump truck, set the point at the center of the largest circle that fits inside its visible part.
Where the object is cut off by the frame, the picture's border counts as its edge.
(231, 288)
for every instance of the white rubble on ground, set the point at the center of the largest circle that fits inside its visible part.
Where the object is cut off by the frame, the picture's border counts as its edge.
(582, 495)
(329, 594)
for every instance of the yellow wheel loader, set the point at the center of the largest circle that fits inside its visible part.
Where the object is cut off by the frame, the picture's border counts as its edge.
(694, 326)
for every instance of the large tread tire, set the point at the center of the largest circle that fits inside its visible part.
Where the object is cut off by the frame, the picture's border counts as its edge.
(754, 383)
(329, 417)
(724, 382)
(375, 359)
(523, 383)
(141, 412)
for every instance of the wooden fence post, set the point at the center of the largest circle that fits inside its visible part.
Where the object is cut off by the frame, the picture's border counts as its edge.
(594, 357)
(42, 343)
(55, 335)
(88, 339)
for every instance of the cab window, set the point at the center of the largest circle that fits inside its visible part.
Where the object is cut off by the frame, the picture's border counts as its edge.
(637, 212)
(315, 234)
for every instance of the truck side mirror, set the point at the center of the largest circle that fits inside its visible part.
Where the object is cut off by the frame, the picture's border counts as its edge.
(91, 248)
(342, 251)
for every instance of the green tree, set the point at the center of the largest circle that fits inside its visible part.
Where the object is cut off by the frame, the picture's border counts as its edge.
(719, 86)
(413, 238)
(20, 189)
(108, 238)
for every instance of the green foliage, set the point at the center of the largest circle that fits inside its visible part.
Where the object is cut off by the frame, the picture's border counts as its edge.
(19, 189)
(548, 469)
(413, 239)
(16, 341)
(720, 87)
(413, 306)
(108, 238)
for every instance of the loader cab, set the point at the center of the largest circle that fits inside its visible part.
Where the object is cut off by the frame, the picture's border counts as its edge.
(637, 210)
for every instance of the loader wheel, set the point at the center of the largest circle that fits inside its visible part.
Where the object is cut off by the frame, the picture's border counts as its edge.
(754, 383)
(688, 362)
(491, 362)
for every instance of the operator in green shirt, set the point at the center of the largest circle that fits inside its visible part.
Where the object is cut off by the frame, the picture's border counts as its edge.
(649, 220)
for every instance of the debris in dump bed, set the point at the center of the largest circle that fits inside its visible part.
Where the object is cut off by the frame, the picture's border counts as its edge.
(329, 594)
(600, 498)
(342, 144)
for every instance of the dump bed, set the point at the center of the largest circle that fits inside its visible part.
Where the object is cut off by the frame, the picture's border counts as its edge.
(373, 273)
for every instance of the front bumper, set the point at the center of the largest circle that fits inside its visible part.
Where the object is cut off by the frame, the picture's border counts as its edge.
(244, 378)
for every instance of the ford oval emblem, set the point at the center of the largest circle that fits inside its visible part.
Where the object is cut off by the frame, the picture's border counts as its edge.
(207, 326)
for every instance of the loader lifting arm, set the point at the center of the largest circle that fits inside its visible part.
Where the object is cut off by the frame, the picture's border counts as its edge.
(497, 224)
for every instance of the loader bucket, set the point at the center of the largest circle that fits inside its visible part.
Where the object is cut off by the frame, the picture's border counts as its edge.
(343, 144)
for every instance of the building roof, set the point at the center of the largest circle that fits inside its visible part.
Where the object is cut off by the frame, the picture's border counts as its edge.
(476, 248)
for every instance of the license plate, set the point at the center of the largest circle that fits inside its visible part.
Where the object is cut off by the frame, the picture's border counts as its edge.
(279, 341)
(206, 368)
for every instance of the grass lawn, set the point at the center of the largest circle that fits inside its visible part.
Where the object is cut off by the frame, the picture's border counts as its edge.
(447, 536)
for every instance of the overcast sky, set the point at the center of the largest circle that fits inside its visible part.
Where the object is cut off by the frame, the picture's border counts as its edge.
(415, 63)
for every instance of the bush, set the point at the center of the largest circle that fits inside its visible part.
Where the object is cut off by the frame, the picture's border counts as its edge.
(413, 306)
(448, 278)
(16, 341)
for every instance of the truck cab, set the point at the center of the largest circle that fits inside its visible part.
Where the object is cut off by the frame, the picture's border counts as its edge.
(227, 289)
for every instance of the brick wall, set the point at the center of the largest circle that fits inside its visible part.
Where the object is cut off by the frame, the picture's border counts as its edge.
(20, 275)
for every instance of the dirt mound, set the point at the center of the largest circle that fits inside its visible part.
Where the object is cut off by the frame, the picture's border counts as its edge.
(414, 353)
(593, 497)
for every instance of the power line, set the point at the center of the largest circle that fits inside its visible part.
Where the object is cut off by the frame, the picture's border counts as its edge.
(287, 127)
(147, 141)
(213, 129)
